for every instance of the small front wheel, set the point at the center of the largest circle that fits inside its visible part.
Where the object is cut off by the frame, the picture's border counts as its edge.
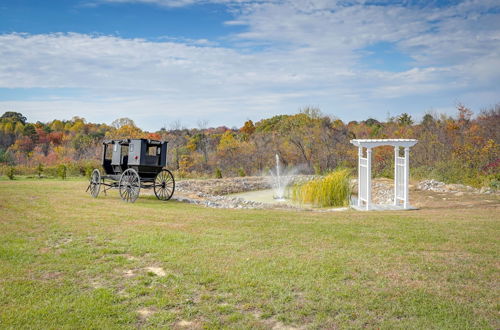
(164, 185)
(95, 183)
(129, 185)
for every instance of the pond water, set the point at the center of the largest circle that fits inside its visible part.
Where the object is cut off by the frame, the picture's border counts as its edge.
(262, 196)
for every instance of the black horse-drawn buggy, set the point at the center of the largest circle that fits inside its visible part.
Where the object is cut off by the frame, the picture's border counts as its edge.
(132, 164)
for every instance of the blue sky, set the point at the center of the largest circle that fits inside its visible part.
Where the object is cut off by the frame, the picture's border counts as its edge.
(225, 61)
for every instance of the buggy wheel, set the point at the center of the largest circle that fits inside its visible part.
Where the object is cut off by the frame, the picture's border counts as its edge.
(129, 185)
(95, 183)
(164, 185)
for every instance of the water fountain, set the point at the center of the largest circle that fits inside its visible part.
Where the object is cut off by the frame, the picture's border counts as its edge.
(278, 186)
(280, 180)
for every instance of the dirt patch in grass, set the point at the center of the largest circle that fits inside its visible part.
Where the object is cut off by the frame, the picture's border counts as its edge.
(185, 324)
(128, 273)
(50, 276)
(280, 326)
(145, 312)
(158, 271)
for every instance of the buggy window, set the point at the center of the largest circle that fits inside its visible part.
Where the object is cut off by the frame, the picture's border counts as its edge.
(109, 151)
(124, 150)
(153, 151)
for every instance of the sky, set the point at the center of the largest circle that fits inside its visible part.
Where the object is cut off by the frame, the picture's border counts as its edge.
(221, 62)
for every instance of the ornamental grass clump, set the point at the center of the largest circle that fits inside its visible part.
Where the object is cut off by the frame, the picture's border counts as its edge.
(332, 190)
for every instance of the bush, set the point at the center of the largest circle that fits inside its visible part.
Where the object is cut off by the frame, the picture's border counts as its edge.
(62, 171)
(332, 190)
(86, 168)
(317, 169)
(494, 181)
(218, 173)
(241, 172)
(5, 157)
(88, 171)
(495, 184)
(39, 170)
(10, 172)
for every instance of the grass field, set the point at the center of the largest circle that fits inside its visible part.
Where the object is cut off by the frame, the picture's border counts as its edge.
(70, 261)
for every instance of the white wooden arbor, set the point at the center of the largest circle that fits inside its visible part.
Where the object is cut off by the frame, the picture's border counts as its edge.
(401, 173)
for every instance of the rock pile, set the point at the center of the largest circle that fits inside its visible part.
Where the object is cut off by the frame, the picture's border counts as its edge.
(223, 186)
(437, 186)
(382, 193)
(225, 202)
(382, 190)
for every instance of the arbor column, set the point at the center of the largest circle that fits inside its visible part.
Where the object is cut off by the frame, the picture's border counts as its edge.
(396, 155)
(406, 203)
(360, 155)
(368, 177)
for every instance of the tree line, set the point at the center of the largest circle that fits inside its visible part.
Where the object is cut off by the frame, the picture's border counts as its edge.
(461, 148)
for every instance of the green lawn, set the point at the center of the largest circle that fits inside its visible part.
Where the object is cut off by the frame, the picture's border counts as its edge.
(70, 261)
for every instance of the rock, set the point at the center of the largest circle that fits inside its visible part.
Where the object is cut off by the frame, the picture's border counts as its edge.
(486, 190)
(432, 185)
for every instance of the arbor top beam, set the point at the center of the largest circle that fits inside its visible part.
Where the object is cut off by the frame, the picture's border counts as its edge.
(371, 143)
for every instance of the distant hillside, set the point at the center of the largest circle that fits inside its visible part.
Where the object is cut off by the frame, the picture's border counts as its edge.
(464, 148)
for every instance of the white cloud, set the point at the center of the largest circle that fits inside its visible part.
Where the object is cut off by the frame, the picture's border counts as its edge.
(310, 55)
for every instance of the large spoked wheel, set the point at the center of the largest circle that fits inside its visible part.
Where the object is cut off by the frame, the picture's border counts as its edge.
(164, 185)
(95, 183)
(129, 185)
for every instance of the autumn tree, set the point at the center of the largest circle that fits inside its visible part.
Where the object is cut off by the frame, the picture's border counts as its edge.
(13, 117)
(120, 122)
(248, 128)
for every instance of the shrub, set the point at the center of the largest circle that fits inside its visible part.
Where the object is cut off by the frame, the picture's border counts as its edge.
(241, 172)
(495, 184)
(494, 181)
(218, 173)
(88, 171)
(5, 157)
(317, 169)
(332, 190)
(86, 168)
(62, 171)
(39, 170)
(10, 172)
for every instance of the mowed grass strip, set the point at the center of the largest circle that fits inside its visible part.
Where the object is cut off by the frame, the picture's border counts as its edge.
(70, 261)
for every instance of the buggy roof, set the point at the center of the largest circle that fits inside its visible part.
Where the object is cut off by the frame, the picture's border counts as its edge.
(127, 141)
